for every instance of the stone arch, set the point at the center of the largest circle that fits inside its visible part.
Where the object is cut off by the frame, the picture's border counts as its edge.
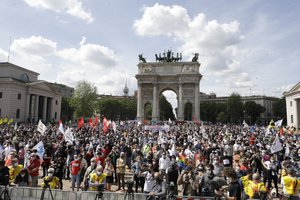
(147, 115)
(181, 77)
(188, 111)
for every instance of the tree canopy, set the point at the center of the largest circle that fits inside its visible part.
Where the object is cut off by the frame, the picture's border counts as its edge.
(84, 99)
(253, 110)
(235, 108)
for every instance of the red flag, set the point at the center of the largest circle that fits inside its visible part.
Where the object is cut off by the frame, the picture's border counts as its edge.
(59, 122)
(96, 121)
(281, 131)
(105, 125)
(90, 122)
(80, 122)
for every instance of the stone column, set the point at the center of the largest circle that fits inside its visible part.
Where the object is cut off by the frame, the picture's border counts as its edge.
(50, 109)
(27, 108)
(154, 102)
(180, 102)
(139, 103)
(44, 108)
(197, 102)
(36, 108)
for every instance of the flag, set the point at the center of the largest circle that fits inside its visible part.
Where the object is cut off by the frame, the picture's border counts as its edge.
(96, 121)
(16, 126)
(10, 121)
(41, 127)
(61, 127)
(40, 149)
(69, 136)
(170, 121)
(90, 122)
(271, 124)
(5, 120)
(276, 146)
(287, 150)
(80, 122)
(105, 125)
(114, 126)
(1, 121)
(252, 129)
(245, 125)
(278, 123)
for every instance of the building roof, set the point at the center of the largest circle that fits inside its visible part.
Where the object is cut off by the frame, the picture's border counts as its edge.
(295, 89)
(5, 64)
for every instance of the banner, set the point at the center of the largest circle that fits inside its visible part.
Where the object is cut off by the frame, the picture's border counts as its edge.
(40, 149)
(41, 127)
(69, 136)
(157, 128)
(276, 146)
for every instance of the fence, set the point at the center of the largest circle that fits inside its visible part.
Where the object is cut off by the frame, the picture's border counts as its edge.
(30, 193)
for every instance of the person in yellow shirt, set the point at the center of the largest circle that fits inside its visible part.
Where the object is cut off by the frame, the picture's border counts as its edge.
(255, 188)
(51, 180)
(291, 185)
(97, 179)
(245, 180)
(14, 170)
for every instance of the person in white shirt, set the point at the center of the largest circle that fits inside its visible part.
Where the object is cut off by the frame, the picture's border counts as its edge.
(164, 164)
(149, 180)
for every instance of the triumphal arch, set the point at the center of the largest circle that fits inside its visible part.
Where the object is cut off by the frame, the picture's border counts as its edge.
(169, 72)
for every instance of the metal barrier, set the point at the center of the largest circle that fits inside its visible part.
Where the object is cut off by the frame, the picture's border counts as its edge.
(32, 193)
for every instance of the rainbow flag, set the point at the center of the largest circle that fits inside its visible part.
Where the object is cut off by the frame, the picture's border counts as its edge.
(182, 161)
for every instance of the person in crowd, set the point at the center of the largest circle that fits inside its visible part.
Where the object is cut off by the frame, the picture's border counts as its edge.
(164, 164)
(291, 185)
(187, 180)
(91, 169)
(50, 180)
(109, 171)
(97, 179)
(172, 177)
(33, 169)
(75, 168)
(4, 174)
(234, 188)
(14, 170)
(46, 163)
(121, 166)
(159, 188)
(149, 179)
(23, 178)
(137, 171)
(114, 155)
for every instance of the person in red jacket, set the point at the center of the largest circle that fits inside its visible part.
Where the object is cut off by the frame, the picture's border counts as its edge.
(75, 168)
(33, 169)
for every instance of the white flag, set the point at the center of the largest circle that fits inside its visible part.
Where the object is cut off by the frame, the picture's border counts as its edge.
(245, 124)
(114, 126)
(170, 121)
(276, 146)
(16, 126)
(40, 149)
(69, 136)
(278, 123)
(41, 127)
(287, 150)
(61, 127)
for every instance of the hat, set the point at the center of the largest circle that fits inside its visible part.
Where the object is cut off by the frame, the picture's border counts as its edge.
(51, 170)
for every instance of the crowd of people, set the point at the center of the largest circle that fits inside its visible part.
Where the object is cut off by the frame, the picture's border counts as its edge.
(212, 160)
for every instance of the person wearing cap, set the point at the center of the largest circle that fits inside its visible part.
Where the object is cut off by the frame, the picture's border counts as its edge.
(14, 170)
(51, 180)
(97, 179)
(23, 178)
(33, 168)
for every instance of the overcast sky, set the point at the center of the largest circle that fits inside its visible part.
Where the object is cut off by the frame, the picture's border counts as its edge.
(246, 46)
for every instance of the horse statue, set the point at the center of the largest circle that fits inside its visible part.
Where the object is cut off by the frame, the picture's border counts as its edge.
(195, 58)
(142, 59)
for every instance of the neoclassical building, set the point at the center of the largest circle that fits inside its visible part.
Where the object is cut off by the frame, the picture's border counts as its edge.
(25, 98)
(292, 98)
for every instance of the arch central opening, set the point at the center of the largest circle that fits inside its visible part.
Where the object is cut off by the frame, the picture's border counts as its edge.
(168, 103)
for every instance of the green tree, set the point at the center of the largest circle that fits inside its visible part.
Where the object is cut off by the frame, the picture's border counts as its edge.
(222, 117)
(279, 108)
(235, 108)
(253, 110)
(209, 111)
(67, 111)
(166, 109)
(84, 99)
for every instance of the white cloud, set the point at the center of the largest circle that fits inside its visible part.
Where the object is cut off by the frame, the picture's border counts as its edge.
(217, 43)
(89, 61)
(72, 7)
